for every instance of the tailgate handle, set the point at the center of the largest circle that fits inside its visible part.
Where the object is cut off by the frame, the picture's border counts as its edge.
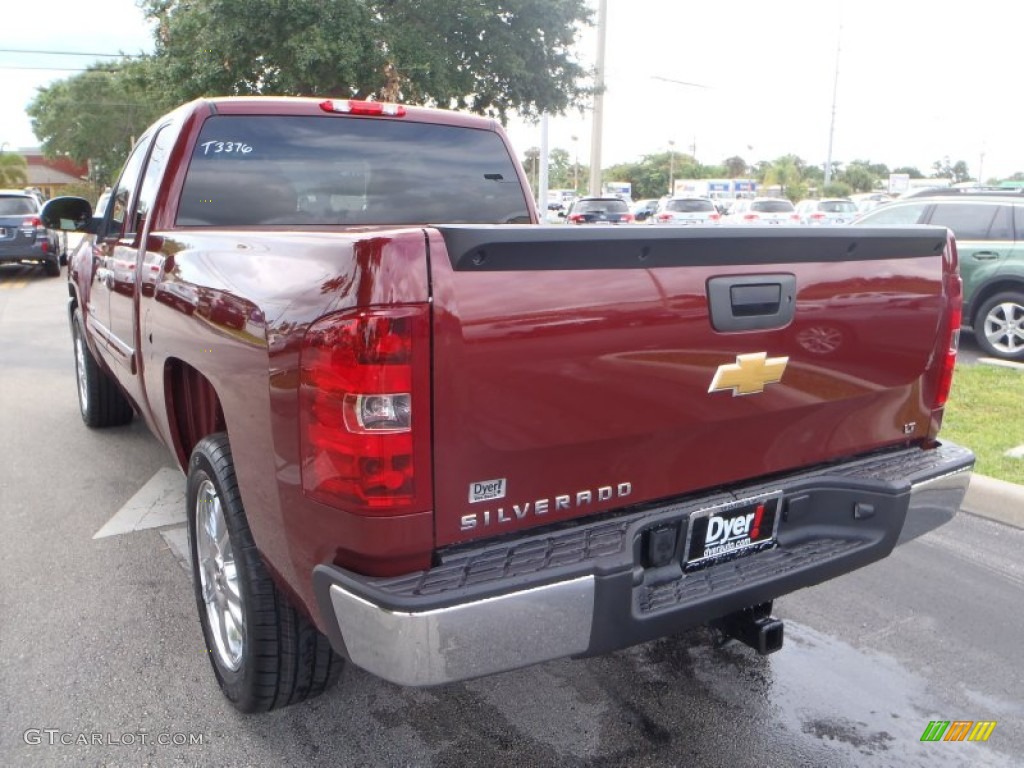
(751, 302)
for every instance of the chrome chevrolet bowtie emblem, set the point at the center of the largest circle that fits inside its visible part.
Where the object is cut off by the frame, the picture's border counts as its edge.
(749, 374)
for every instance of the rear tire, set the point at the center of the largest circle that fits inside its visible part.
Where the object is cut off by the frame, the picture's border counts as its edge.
(999, 326)
(265, 654)
(100, 401)
(52, 267)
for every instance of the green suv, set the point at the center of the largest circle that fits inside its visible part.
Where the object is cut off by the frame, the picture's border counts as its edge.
(989, 230)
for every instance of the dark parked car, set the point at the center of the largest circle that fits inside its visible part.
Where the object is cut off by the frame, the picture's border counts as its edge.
(599, 210)
(23, 238)
(989, 229)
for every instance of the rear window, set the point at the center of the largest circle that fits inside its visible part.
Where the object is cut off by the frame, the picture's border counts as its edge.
(293, 170)
(689, 206)
(16, 205)
(772, 206)
(601, 206)
(838, 206)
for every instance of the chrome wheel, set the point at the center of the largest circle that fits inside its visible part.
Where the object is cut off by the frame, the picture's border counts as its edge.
(1004, 328)
(81, 375)
(218, 575)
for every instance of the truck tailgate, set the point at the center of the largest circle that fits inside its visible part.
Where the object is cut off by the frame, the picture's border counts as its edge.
(581, 371)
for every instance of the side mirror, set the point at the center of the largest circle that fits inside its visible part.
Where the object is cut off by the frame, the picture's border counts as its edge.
(561, 214)
(69, 214)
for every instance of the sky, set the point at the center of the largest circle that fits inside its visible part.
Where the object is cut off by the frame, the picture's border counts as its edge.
(917, 81)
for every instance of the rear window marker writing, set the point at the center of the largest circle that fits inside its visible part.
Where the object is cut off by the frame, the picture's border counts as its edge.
(218, 147)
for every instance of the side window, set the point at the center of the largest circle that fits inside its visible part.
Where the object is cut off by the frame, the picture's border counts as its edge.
(895, 216)
(1018, 221)
(123, 195)
(969, 221)
(151, 178)
(1002, 224)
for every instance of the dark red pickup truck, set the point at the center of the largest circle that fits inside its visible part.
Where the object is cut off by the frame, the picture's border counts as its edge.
(423, 433)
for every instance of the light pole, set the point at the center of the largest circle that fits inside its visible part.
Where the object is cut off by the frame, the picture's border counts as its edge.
(835, 91)
(598, 122)
(671, 167)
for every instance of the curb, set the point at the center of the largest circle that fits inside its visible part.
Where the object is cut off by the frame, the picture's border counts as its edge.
(996, 500)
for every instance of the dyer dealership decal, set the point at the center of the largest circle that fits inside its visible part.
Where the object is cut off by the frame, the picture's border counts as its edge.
(749, 524)
(540, 507)
(486, 490)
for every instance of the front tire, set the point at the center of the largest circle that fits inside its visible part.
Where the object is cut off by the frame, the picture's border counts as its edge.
(100, 401)
(999, 326)
(265, 654)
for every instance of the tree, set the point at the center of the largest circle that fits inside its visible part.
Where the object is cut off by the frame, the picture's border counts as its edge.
(785, 173)
(837, 189)
(13, 170)
(457, 54)
(910, 171)
(859, 177)
(94, 117)
(957, 171)
(559, 169)
(735, 166)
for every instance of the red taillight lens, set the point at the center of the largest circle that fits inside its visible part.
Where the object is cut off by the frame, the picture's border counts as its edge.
(32, 222)
(364, 400)
(628, 218)
(714, 217)
(576, 218)
(664, 217)
(949, 359)
(353, 107)
(955, 316)
(750, 217)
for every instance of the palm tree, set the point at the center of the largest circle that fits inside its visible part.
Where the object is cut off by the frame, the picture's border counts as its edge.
(13, 170)
(784, 172)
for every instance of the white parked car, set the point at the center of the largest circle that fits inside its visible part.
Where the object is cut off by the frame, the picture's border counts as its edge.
(839, 210)
(763, 210)
(686, 211)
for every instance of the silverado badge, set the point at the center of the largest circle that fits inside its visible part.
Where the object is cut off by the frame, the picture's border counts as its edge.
(749, 374)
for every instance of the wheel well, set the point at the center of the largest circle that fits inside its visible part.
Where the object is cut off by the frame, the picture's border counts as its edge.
(991, 290)
(193, 408)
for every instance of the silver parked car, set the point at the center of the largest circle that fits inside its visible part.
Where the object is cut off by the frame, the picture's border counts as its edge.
(23, 238)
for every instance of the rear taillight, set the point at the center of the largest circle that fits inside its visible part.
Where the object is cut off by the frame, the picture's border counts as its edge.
(714, 217)
(750, 217)
(32, 222)
(955, 317)
(817, 216)
(364, 399)
(949, 356)
(794, 216)
(576, 218)
(628, 218)
(664, 217)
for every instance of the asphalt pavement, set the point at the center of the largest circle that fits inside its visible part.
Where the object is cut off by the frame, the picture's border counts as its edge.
(102, 661)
